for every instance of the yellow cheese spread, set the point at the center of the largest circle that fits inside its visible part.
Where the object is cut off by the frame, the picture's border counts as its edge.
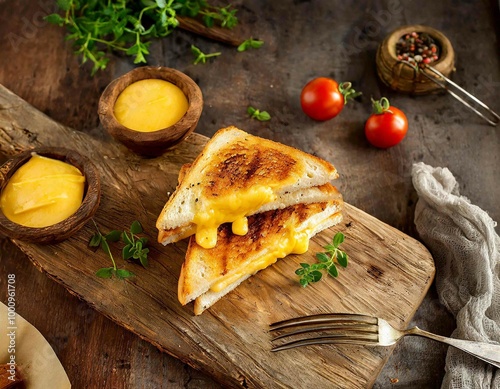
(42, 192)
(150, 105)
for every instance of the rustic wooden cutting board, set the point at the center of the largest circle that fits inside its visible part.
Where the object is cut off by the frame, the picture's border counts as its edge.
(388, 275)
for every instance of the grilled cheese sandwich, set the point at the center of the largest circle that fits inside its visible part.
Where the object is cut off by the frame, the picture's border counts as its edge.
(208, 274)
(238, 175)
(245, 202)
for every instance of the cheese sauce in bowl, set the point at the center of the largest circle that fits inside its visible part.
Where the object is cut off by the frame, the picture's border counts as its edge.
(47, 194)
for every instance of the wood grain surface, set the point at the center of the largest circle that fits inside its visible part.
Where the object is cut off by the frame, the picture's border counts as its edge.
(303, 39)
(231, 340)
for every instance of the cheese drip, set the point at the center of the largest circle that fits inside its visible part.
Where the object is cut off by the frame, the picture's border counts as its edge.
(291, 242)
(240, 226)
(150, 105)
(232, 208)
(42, 192)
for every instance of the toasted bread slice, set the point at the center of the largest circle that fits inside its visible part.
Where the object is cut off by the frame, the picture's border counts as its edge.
(208, 274)
(209, 298)
(236, 175)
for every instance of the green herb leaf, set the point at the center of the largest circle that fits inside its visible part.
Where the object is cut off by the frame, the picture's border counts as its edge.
(113, 236)
(250, 44)
(322, 257)
(316, 275)
(144, 258)
(201, 57)
(208, 20)
(124, 273)
(326, 261)
(105, 272)
(332, 270)
(128, 251)
(161, 3)
(257, 114)
(138, 250)
(55, 19)
(65, 5)
(330, 247)
(342, 258)
(228, 17)
(105, 247)
(95, 240)
(127, 239)
(224, 16)
(338, 239)
(136, 227)
(263, 116)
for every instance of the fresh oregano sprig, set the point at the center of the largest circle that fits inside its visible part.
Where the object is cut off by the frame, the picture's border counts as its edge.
(135, 246)
(259, 115)
(134, 249)
(200, 56)
(225, 16)
(326, 261)
(98, 239)
(250, 44)
(100, 26)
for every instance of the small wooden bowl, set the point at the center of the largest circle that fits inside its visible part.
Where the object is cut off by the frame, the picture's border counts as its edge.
(156, 142)
(64, 229)
(403, 78)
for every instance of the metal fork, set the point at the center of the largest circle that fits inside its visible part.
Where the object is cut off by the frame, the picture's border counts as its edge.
(365, 330)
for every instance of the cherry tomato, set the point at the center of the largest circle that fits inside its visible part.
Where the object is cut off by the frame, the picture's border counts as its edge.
(323, 98)
(387, 126)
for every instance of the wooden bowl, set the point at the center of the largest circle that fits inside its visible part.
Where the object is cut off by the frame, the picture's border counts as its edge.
(403, 78)
(64, 229)
(156, 142)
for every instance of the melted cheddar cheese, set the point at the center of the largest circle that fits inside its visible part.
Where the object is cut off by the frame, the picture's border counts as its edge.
(292, 242)
(42, 192)
(231, 208)
(150, 105)
(240, 226)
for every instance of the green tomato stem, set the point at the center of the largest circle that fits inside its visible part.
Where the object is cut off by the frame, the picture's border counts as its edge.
(345, 88)
(381, 106)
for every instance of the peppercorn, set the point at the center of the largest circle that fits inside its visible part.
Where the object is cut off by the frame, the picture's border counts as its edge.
(418, 48)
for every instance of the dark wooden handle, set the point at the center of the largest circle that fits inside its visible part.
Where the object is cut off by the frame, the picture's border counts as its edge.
(220, 34)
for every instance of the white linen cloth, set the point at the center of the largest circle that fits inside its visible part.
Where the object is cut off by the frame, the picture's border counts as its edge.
(466, 251)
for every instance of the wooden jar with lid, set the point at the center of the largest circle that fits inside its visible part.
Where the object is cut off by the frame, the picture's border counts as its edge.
(403, 78)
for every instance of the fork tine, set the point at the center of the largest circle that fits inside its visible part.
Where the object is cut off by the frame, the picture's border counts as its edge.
(329, 339)
(324, 318)
(346, 328)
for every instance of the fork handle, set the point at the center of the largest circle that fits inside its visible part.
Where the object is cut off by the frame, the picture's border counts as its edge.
(485, 351)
